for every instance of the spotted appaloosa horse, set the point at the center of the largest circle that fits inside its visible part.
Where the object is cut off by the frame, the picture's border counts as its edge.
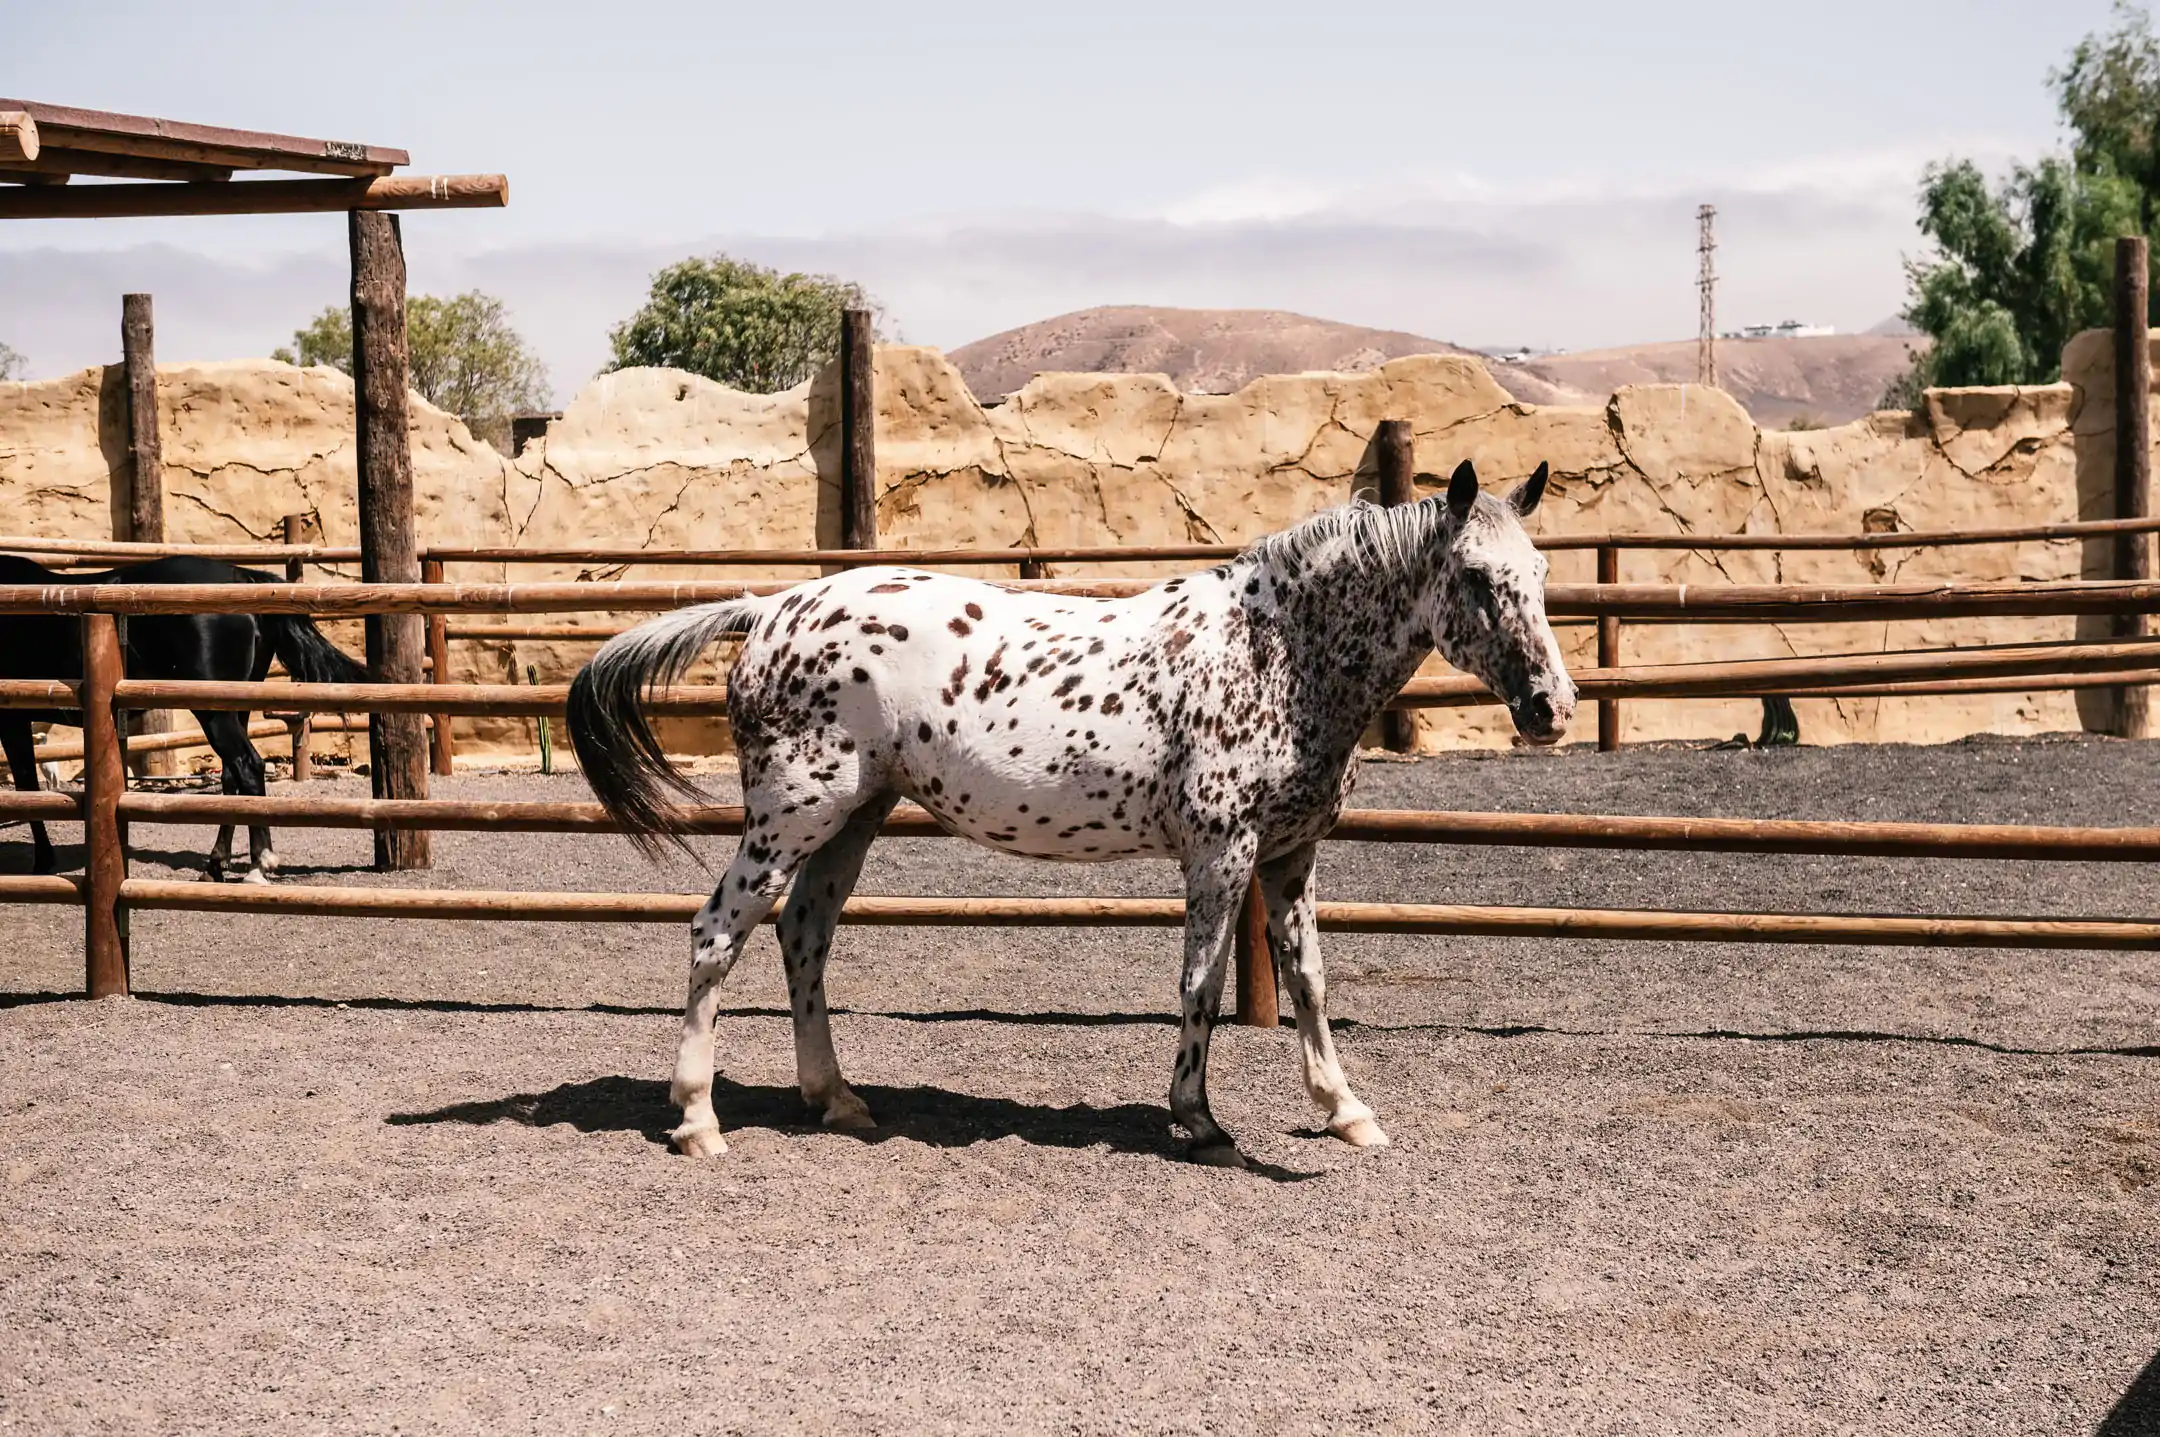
(1213, 718)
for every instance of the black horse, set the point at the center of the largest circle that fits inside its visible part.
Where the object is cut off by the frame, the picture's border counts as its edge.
(165, 646)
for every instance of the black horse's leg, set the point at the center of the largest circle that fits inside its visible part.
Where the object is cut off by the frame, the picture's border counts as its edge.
(243, 775)
(21, 750)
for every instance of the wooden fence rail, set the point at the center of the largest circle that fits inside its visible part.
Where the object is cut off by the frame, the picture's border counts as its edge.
(1754, 603)
(101, 551)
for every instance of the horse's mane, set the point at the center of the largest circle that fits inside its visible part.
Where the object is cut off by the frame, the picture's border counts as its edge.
(1360, 535)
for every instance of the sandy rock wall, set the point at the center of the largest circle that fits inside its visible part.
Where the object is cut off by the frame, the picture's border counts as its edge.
(659, 459)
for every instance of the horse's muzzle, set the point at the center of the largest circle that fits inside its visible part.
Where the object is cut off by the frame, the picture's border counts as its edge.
(1539, 720)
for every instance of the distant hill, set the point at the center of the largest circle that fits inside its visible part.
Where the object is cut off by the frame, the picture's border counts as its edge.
(1203, 351)
(1825, 380)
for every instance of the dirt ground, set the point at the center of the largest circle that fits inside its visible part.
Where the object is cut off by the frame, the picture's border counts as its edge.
(340, 1176)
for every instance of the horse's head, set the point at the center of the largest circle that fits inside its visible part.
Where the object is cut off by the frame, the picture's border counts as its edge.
(1485, 606)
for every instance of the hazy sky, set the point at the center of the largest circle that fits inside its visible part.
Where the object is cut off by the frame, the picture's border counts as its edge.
(1488, 174)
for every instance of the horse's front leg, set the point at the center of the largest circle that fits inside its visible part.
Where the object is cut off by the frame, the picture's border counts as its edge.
(1214, 890)
(1294, 932)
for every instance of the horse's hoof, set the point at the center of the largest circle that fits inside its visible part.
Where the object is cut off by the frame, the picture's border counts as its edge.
(268, 863)
(1360, 1132)
(1218, 1155)
(213, 875)
(850, 1114)
(255, 875)
(699, 1142)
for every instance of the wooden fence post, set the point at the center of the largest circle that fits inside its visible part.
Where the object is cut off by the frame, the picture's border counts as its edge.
(299, 529)
(1398, 485)
(389, 549)
(1256, 1005)
(105, 926)
(139, 515)
(441, 744)
(2133, 450)
(858, 431)
(1608, 652)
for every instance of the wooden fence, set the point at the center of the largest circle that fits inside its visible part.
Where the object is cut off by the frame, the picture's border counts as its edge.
(1034, 563)
(107, 895)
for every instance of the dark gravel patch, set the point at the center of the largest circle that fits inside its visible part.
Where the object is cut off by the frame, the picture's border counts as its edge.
(345, 1176)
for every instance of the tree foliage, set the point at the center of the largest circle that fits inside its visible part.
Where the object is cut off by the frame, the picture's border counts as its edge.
(2016, 269)
(465, 356)
(746, 326)
(12, 363)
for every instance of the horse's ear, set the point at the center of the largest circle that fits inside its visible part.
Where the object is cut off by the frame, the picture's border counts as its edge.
(1526, 495)
(1462, 488)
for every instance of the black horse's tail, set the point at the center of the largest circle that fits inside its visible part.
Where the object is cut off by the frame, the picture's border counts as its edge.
(300, 646)
(616, 747)
(307, 655)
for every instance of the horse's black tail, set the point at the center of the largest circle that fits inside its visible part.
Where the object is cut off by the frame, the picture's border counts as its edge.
(307, 655)
(616, 747)
(299, 645)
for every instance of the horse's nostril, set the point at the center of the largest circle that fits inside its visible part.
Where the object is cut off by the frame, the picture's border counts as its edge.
(1537, 713)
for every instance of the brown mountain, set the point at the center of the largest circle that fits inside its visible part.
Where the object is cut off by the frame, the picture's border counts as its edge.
(1823, 380)
(1203, 351)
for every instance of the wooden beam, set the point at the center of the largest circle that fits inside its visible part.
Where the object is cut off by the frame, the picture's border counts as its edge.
(154, 138)
(58, 162)
(18, 135)
(2133, 450)
(1892, 929)
(29, 177)
(257, 197)
(858, 431)
(1608, 652)
(389, 548)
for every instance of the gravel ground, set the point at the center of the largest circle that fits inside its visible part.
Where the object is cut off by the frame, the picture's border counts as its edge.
(353, 1176)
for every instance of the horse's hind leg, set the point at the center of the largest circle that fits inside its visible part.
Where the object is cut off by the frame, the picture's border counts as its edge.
(21, 750)
(774, 847)
(806, 931)
(242, 776)
(1294, 932)
(1214, 891)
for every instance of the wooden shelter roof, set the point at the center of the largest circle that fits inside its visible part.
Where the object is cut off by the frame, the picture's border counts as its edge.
(190, 169)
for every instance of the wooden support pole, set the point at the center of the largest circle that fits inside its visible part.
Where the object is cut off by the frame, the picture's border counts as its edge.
(105, 927)
(1608, 652)
(2133, 449)
(1255, 963)
(858, 431)
(441, 746)
(141, 518)
(389, 549)
(1397, 463)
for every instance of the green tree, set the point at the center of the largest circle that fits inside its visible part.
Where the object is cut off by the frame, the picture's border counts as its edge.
(465, 356)
(749, 327)
(2018, 268)
(12, 364)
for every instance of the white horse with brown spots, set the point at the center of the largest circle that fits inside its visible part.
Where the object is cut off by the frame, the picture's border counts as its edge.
(1213, 719)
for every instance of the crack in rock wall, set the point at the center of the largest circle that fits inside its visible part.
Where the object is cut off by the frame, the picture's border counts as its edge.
(659, 459)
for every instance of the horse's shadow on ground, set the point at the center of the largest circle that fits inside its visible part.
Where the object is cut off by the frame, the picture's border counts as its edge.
(936, 1117)
(69, 858)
